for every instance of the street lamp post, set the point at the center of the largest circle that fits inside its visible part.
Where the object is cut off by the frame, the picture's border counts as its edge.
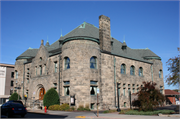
(19, 87)
(118, 99)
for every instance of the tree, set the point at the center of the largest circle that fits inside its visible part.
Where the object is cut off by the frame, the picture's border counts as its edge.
(14, 96)
(173, 67)
(149, 97)
(51, 98)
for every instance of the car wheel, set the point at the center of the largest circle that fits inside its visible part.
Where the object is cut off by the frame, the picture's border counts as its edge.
(22, 115)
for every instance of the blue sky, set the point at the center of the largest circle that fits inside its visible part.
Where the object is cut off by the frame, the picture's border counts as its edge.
(152, 24)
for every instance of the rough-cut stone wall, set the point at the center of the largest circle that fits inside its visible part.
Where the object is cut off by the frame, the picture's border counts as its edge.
(19, 67)
(107, 81)
(131, 82)
(104, 33)
(157, 66)
(80, 74)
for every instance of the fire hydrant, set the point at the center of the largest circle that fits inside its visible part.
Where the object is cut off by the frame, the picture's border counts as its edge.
(45, 109)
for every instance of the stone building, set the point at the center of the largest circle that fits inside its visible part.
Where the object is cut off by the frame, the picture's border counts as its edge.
(83, 61)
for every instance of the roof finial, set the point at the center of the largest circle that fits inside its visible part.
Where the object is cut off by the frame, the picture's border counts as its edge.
(61, 32)
(47, 39)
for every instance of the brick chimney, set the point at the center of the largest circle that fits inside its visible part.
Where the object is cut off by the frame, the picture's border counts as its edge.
(104, 33)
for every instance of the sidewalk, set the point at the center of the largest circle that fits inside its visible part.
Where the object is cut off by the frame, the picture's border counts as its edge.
(92, 115)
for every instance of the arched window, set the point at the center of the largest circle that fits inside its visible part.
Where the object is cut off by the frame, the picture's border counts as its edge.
(123, 69)
(66, 63)
(132, 70)
(160, 73)
(93, 63)
(140, 71)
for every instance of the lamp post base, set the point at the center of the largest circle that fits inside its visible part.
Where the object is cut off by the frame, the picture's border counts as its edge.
(118, 109)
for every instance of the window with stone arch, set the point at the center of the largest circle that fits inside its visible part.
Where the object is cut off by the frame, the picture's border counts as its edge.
(66, 63)
(140, 71)
(123, 69)
(132, 70)
(93, 62)
(160, 73)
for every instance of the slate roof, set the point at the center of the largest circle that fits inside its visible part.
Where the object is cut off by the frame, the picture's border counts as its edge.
(90, 31)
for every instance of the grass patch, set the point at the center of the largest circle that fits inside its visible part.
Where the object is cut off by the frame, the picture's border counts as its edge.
(136, 112)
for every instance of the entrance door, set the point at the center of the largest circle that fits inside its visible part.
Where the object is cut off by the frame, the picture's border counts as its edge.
(41, 93)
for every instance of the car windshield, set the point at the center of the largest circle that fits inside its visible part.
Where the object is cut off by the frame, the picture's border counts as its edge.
(16, 105)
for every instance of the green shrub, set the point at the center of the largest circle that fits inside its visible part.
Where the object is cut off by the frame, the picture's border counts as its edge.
(64, 107)
(14, 96)
(51, 98)
(72, 108)
(54, 107)
(106, 111)
(81, 108)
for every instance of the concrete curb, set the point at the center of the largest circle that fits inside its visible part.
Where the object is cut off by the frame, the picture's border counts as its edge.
(169, 115)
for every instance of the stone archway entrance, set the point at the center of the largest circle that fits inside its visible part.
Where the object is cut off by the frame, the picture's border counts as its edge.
(41, 93)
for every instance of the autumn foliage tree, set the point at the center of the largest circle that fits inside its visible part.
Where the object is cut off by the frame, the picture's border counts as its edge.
(173, 67)
(149, 97)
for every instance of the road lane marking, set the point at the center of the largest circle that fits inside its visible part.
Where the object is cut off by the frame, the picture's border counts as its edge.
(80, 117)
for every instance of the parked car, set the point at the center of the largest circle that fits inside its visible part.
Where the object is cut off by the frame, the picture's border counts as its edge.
(17, 101)
(13, 108)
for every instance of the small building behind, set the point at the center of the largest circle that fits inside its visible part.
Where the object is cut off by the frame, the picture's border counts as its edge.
(6, 82)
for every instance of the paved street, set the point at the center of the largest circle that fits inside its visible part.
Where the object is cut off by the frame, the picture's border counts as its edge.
(92, 115)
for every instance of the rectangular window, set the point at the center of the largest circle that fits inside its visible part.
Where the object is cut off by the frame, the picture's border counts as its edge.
(124, 104)
(92, 105)
(11, 92)
(27, 80)
(93, 90)
(66, 82)
(12, 83)
(93, 82)
(28, 70)
(36, 70)
(128, 85)
(55, 84)
(66, 91)
(129, 90)
(137, 89)
(55, 66)
(133, 90)
(133, 85)
(15, 91)
(12, 74)
(124, 85)
(137, 85)
(124, 91)
(40, 68)
(44, 68)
